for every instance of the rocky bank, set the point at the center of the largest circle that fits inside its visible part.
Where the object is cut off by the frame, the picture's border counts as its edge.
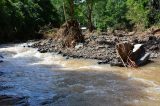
(100, 47)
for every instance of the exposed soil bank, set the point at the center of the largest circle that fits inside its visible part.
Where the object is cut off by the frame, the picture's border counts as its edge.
(100, 47)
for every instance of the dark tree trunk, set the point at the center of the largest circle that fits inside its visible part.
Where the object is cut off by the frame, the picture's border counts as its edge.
(90, 24)
(89, 17)
(64, 10)
(71, 5)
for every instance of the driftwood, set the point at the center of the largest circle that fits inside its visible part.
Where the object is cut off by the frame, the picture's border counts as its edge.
(132, 55)
(124, 49)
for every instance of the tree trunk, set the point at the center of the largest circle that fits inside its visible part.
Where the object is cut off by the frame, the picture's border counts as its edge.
(70, 33)
(64, 10)
(90, 24)
(89, 17)
(71, 5)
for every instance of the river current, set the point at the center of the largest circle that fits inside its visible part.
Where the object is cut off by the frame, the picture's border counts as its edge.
(49, 79)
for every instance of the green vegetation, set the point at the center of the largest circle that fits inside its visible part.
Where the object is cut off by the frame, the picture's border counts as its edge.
(22, 19)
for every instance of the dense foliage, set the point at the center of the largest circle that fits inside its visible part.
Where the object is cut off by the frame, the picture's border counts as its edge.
(117, 14)
(112, 14)
(22, 19)
(125, 14)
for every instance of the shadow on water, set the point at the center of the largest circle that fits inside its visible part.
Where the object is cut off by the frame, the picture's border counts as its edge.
(52, 85)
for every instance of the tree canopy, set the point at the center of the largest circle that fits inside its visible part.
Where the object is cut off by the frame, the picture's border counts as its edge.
(23, 18)
(19, 17)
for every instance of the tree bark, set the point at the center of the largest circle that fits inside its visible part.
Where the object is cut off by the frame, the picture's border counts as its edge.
(64, 10)
(71, 5)
(89, 17)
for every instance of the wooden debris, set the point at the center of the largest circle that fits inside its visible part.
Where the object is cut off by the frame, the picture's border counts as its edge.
(130, 55)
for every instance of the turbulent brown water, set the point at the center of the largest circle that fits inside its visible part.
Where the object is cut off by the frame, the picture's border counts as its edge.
(50, 80)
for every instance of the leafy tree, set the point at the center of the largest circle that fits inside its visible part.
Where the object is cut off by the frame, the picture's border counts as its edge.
(89, 14)
(110, 13)
(48, 13)
(138, 12)
(84, 12)
(21, 19)
(154, 14)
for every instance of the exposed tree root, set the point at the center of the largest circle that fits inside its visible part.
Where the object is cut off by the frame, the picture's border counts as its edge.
(70, 34)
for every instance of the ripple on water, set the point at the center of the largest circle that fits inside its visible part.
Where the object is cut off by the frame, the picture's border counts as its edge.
(47, 79)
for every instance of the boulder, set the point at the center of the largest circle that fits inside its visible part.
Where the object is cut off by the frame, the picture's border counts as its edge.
(143, 60)
(118, 64)
(103, 62)
(42, 50)
(137, 52)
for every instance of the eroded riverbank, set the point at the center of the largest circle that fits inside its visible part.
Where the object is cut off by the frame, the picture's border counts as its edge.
(49, 79)
(100, 47)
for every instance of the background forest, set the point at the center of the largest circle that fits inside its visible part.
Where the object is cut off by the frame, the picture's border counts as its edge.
(23, 19)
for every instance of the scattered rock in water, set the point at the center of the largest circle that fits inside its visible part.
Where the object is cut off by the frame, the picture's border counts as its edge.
(1, 56)
(144, 59)
(4, 87)
(67, 57)
(103, 62)
(6, 100)
(119, 64)
(42, 50)
(1, 73)
(54, 99)
(59, 52)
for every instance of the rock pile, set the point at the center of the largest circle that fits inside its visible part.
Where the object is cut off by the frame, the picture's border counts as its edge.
(100, 47)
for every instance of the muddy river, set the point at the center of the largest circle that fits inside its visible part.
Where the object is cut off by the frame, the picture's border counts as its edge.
(50, 80)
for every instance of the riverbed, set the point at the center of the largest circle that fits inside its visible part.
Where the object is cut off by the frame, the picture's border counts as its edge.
(48, 79)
